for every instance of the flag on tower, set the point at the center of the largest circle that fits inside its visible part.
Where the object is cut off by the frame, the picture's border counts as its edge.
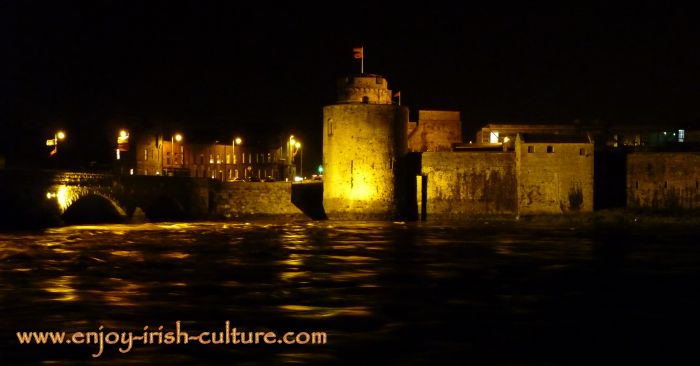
(358, 52)
(397, 94)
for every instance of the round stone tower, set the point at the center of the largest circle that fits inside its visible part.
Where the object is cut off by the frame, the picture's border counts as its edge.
(364, 144)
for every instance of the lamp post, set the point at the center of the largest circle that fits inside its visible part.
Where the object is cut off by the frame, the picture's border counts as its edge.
(60, 135)
(236, 141)
(122, 143)
(122, 146)
(301, 159)
(290, 154)
(177, 137)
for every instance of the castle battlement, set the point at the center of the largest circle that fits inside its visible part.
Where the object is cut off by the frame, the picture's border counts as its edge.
(364, 88)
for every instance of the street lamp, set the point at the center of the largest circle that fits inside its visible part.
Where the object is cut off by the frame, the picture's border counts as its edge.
(122, 143)
(60, 135)
(236, 141)
(178, 138)
(301, 159)
(290, 154)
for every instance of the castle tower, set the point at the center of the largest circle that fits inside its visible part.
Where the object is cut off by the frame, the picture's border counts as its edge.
(364, 144)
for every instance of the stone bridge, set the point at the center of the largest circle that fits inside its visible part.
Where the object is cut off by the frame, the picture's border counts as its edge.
(38, 198)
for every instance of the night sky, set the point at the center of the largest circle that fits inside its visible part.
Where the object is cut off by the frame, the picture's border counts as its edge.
(263, 70)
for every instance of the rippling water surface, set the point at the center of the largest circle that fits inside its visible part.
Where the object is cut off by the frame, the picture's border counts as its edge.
(391, 293)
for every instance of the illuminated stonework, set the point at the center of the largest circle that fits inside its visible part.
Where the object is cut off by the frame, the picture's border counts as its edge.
(364, 138)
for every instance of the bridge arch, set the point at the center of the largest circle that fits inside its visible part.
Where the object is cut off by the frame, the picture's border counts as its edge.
(93, 207)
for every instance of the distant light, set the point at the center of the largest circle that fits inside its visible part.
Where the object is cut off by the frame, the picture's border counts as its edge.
(664, 133)
(320, 169)
(131, 171)
(298, 179)
(297, 145)
(61, 135)
(123, 134)
(118, 156)
(178, 137)
(48, 195)
(238, 140)
(506, 139)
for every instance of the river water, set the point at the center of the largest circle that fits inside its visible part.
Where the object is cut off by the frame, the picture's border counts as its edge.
(491, 293)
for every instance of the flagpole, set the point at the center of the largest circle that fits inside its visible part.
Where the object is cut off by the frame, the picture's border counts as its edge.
(362, 62)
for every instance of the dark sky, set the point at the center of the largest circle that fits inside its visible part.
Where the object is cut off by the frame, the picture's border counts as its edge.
(214, 69)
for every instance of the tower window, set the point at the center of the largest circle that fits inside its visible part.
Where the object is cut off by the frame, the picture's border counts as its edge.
(582, 151)
(365, 99)
(330, 127)
(550, 149)
(530, 149)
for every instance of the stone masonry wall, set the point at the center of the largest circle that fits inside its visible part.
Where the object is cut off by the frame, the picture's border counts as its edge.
(554, 181)
(663, 181)
(469, 183)
(247, 199)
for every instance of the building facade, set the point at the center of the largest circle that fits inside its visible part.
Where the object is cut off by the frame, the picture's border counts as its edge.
(225, 162)
(434, 131)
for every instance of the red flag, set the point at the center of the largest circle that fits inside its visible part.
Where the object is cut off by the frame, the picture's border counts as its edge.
(397, 94)
(358, 52)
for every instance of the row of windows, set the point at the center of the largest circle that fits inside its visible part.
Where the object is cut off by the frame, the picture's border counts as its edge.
(217, 158)
(205, 172)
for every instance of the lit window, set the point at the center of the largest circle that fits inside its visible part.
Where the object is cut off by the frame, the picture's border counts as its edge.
(145, 154)
(681, 135)
(493, 137)
(211, 159)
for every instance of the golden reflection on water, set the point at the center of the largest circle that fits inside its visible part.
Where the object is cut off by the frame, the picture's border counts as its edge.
(352, 258)
(176, 255)
(122, 293)
(63, 288)
(133, 254)
(305, 311)
(294, 260)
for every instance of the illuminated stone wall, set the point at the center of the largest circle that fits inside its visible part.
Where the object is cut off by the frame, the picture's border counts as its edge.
(663, 181)
(253, 199)
(435, 131)
(372, 89)
(362, 144)
(558, 181)
(462, 184)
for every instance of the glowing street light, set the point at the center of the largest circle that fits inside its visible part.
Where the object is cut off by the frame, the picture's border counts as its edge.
(60, 135)
(122, 143)
(236, 141)
(301, 159)
(178, 138)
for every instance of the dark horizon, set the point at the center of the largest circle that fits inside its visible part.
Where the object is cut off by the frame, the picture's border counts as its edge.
(218, 69)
